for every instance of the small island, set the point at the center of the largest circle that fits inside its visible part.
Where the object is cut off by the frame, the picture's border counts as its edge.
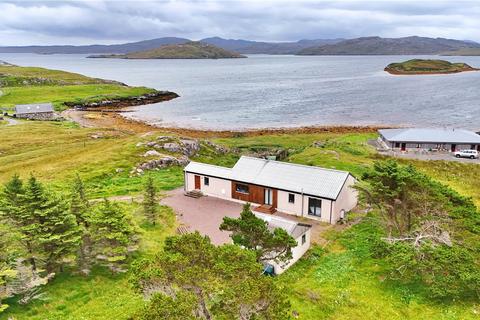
(189, 50)
(422, 66)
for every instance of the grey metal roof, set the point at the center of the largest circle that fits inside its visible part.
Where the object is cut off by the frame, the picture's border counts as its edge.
(209, 170)
(315, 181)
(293, 228)
(33, 108)
(430, 135)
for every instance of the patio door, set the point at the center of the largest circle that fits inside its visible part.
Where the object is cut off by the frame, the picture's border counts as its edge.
(268, 197)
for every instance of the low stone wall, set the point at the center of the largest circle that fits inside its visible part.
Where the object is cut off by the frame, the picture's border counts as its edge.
(37, 116)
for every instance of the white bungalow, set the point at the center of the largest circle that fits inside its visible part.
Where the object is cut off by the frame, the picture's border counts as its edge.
(429, 139)
(307, 191)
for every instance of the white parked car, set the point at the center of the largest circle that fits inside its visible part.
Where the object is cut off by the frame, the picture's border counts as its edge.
(472, 154)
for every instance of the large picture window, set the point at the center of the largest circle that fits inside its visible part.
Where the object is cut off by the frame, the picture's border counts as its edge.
(242, 188)
(314, 207)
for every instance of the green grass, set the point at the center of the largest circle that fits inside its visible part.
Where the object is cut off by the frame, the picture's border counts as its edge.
(42, 75)
(344, 282)
(56, 151)
(58, 95)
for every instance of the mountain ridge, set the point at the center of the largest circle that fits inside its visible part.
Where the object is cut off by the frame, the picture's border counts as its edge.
(390, 46)
(358, 46)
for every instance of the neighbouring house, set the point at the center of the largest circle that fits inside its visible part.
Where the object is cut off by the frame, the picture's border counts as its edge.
(39, 111)
(306, 191)
(299, 231)
(425, 139)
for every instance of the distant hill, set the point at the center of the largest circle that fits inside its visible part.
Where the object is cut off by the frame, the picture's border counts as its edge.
(427, 66)
(240, 46)
(463, 52)
(189, 50)
(96, 48)
(390, 46)
(256, 47)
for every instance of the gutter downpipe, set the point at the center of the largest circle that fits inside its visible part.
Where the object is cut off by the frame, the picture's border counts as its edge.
(302, 201)
(185, 180)
(331, 207)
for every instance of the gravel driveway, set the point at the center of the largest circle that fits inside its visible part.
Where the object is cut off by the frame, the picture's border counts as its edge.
(205, 215)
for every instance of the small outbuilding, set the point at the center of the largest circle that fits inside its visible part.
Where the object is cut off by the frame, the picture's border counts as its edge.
(306, 191)
(299, 231)
(39, 111)
(426, 139)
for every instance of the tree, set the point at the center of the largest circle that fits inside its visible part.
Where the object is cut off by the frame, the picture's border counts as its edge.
(150, 202)
(54, 232)
(80, 208)
(48, 232)
(432, 233)
(403, 197)
(209, 282)
(7, 272)
(113, 234)
(253, 233)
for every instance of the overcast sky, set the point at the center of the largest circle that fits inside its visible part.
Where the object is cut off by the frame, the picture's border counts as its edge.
(86, 22)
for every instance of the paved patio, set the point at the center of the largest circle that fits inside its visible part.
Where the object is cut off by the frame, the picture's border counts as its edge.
(205, 215)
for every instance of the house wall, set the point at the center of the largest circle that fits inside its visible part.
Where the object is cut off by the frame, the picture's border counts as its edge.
(346, 200)
(441, 147)
(220, 188)
(291, 208)
(36, 116)
(297, 253)
(324, 213)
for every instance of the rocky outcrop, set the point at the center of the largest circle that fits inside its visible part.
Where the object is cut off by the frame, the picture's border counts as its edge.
(118, 103)
(163, 162)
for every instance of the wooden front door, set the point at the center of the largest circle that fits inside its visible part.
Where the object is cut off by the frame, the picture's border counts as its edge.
(197, 182)
(454, 147)
(404, 146)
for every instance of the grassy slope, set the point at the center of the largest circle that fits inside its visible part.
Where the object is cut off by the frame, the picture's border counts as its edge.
(23, 85)
(332, 283)
(55, 151)
(427, 66)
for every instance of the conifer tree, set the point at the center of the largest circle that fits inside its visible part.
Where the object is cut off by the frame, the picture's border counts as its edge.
(80, 208)
(113, 234)
(54, 230)
(150, 203)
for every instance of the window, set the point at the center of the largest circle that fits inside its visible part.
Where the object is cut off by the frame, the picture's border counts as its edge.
(242, 188)
(206, 181)
(397, 144)
(304, 239)
(314, 207)
(291, 198)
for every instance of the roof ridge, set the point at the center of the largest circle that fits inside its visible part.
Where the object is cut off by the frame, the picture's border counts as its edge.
(211, 165)
(297, 164)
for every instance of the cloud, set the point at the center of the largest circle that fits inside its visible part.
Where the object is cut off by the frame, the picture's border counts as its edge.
(93, 21)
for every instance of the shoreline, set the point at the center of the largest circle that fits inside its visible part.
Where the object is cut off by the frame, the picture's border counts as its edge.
(115, 120)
